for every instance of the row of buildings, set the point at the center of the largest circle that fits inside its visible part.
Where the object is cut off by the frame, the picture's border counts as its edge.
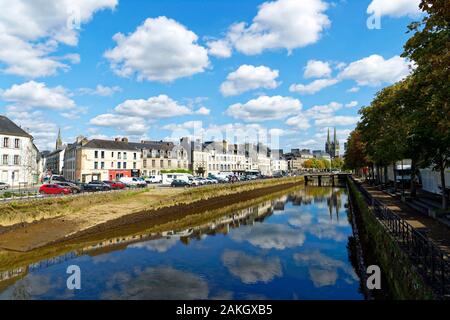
(86, 159)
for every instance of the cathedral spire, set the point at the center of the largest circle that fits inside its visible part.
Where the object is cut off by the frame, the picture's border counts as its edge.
(59, 140)
(335, 139)
(328, 137)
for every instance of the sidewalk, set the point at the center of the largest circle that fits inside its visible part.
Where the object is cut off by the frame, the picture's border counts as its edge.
(436, 231)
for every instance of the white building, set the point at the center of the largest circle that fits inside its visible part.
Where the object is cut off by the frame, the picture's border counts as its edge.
(19, 157)
(278, 165)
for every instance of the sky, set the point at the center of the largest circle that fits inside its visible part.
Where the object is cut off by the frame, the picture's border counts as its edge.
(281, 72)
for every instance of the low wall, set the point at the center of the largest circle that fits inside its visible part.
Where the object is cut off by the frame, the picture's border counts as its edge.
(402, 278)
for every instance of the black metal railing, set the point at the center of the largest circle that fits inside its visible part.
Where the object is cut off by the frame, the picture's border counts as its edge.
(430, 261)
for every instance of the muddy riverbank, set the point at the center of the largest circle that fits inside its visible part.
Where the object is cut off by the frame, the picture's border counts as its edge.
(137, 212)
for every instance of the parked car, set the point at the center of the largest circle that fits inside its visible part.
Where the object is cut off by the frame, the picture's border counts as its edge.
(71, 186)
(96, 186)
(154, 179)
(4, 186)
(133, 182)
(115, 185)
(180, 183)
(212, 181)
(54, 189)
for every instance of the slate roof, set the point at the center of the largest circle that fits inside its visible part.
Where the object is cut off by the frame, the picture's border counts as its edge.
(10, 128)
(131, 146)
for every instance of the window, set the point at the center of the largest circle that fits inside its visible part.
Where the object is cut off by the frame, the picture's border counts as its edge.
(124, 156)
(119, 155)
(103, 154)
(153, 163)
(96, 154)
(17, 143)
(102, 165)
(145, 163)
(161, 163)
(5, 159)
(6, 142)
(95, 165)
(135, 156)
(134, 165)
(119, 164)
(169, 163)
(112, 164)
(124, 165)
(16, 160)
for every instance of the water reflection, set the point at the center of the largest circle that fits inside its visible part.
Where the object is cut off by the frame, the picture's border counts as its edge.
(288, 247)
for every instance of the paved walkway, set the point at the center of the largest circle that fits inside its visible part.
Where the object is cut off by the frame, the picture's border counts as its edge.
(436, 231)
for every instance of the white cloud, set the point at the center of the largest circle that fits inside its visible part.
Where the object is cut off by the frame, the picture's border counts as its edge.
(375, 70)
(248, 77)
(127, 124)
(101, 90)
(265, 108)
(397, 8)
(37, 95)
(299, 121)
(353, 89)
(160, 49)
(269, 236)
(42, 129)
(251, 269)
(219, 48)
(337, 121)
(203, 111)
(313, 87)
(351, 104)
(160, 106)
(287, 24)
(32, 30)
(317, 69)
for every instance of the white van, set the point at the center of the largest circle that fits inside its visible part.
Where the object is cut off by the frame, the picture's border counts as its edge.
(154, 179)
(167, 178)
(133, 182)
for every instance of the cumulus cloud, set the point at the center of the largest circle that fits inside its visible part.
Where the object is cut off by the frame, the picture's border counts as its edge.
(323, 270)
(299, 121)
(351, 104)
(248, 77)
(128, 124)
(313, 87)
(375, 70)
(160, 49)
(282, 24)
(32, 30)
(161, 106)
(251, 269)
(161, 283)
(317, 69)
(269, 236)
(203, 111)
(265, 108)
(219, 48)
(101, 90)
(337, 121)
(37, 95)
(353, 89)
(396, 9)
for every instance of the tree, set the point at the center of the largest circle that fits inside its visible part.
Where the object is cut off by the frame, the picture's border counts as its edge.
(429, 49)
(355, 157)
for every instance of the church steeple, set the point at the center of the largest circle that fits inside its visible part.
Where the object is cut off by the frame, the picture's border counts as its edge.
(328, 136)
(59, 142)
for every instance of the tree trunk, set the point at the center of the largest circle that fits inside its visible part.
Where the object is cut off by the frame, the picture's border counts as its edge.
(394, 166)
(413, 178)
(378, 175)
(444, 195)
(385, 175)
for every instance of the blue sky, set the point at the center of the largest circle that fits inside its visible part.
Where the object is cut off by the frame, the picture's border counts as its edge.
(159, 69)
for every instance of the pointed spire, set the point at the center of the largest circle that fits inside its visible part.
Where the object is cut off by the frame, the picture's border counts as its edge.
(335, 135)
(328, 137)
(59, 140)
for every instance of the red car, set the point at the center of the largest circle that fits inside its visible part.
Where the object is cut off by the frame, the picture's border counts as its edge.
(54, 189)
(115, 185)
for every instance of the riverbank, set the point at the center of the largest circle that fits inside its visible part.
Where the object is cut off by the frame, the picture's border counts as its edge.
(61, 220)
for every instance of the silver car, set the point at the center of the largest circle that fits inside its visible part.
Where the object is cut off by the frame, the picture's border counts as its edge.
(4, 186)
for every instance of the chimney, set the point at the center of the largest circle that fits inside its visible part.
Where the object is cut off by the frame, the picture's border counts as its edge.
(116, 139)
(125, 140)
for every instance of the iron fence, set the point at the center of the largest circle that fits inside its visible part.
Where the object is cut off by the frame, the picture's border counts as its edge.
(430, 261)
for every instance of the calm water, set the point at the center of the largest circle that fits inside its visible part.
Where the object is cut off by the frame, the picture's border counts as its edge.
(291, 247)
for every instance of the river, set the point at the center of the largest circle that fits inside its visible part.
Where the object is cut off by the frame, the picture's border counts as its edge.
(296, 245)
